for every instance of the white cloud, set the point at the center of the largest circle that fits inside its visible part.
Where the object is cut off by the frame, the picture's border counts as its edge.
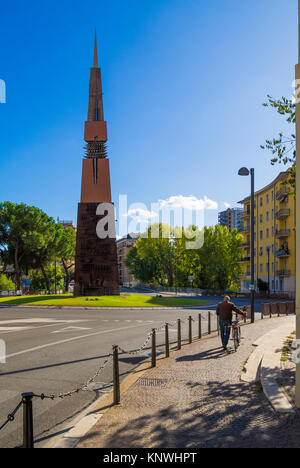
(188, 203)
(227, 205)
(141, 215)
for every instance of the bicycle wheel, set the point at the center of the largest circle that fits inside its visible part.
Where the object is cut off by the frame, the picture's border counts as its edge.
(235, 339)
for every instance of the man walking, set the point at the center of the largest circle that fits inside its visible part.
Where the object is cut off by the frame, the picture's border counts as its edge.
(224, 312)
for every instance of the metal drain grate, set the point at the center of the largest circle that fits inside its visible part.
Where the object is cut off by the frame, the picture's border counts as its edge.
(162, 383)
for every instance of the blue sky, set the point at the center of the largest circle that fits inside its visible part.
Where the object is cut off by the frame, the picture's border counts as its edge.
(183, 81)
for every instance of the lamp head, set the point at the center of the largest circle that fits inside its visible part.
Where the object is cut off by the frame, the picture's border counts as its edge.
(244, 171)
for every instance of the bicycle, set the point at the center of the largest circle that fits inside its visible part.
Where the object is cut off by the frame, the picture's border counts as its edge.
(236, 331)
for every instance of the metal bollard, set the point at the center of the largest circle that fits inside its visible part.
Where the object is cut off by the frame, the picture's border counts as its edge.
(27, 420)
(209, 323)
(167, 340)
(190, 330)
(153, 347)
(200, 326)
(116, 375)
(179, 333)
(245, 319)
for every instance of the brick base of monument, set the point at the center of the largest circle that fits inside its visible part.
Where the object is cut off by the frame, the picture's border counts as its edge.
(96, 264)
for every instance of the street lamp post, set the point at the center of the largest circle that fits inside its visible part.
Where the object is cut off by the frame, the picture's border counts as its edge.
(297, 399)
(245, 172)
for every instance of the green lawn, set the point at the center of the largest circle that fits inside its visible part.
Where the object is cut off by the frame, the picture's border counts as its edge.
(125, 300)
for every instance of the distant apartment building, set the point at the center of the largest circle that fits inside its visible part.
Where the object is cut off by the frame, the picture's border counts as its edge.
(123, 246)
(66, 224)
(231, 218)
(274, 237)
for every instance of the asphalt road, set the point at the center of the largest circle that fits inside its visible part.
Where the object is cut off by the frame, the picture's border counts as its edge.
(54, 351)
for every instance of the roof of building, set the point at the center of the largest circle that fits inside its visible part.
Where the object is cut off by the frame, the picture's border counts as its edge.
(281, 176)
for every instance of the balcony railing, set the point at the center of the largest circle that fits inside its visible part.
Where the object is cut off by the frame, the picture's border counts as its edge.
(283, 233)
(282, 253)
(246, 245)
(282, 193)
(245, 229)
(280, 214)
(283, 272)
(245, 214)
(245, 260)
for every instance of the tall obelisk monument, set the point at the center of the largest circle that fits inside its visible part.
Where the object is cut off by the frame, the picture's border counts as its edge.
(96, 266)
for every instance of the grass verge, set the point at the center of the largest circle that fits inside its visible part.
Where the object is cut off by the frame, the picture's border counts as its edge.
(124, 300)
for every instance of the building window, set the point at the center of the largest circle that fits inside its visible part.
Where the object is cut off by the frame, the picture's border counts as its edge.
(261, 267)
(272, 231)
(261, 235)
(272, 267)
(272, 248)
(261, 202)
(272, 196)
(272, 213)
(267, 198)
(267, 216)
(261, 218)
(268, 233)
(261, 251)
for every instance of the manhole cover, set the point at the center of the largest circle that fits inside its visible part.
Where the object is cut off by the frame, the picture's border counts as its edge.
(162, 383)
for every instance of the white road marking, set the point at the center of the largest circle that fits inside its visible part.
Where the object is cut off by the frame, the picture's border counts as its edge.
(8, 329)
(68, 340)
(72, 329)
(40, 320)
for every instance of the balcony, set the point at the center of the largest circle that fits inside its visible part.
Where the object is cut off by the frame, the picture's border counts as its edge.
(281, 214)
(283, 253)
(283, 233)
(283, 273)
(245, 214)
(282, 193)
(245, 229)
(245, 260)
(246, 245)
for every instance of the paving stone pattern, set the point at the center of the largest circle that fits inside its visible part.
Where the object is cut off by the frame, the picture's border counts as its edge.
(203, 404)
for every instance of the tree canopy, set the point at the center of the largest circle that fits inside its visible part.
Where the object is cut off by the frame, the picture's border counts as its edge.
(30, 239)
(165, 259)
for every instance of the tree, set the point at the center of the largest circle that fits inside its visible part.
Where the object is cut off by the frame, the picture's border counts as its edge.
(219, 258)
(283, 147)
(6, 284)
(168, 257)
(65, 249)
(27, 238)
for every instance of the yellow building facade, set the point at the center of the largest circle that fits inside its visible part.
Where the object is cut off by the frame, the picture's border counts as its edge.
(274, 238)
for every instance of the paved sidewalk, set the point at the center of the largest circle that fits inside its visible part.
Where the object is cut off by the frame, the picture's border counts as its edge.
(201, 403)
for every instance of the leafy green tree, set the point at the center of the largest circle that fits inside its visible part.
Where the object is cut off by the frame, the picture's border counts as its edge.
(65, 250)
(6, 284)
(283, 147)
(38, 281)
(27, 238)
(219, 257)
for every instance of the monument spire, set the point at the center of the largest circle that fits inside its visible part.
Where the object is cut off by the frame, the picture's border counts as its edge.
(96, 263)
(95, 52)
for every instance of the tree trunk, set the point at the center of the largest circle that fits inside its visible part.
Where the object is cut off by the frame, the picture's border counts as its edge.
(45, 277)
(67, 274)
(17, 268)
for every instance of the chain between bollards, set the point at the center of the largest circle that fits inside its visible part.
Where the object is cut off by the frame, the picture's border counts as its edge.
(116, 375)
(27, 420)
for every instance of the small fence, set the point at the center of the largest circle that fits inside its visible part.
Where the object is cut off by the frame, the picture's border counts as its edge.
(27, 398)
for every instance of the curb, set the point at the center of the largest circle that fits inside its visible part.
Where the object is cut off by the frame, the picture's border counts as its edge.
(104, 308)
(264, 365)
